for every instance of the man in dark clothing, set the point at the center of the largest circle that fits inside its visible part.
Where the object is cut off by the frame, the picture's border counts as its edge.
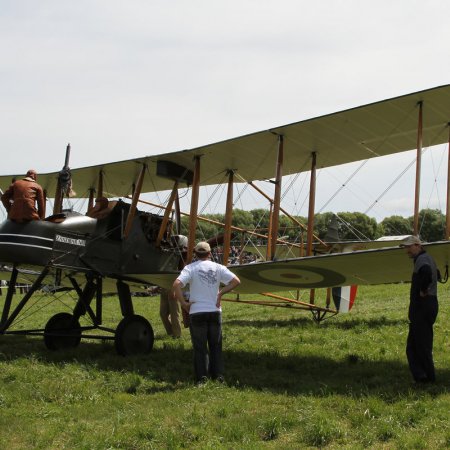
(423, 310)
(20, 199)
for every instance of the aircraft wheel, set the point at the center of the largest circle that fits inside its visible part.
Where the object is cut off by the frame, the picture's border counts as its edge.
(134, 335)
(62, 332)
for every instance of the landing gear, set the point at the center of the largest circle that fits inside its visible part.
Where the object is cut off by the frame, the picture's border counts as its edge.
(134, 335)
(62, 332)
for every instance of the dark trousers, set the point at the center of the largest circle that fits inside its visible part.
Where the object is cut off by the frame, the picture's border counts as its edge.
(206, 336)
(419, 346)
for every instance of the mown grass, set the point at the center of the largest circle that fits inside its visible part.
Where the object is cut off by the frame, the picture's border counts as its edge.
(291, 383)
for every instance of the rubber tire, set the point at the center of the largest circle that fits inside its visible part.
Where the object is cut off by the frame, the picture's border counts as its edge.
(134, 336)
(64, 323)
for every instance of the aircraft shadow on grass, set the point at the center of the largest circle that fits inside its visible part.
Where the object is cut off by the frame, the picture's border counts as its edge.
(171, 367)
(306, 321)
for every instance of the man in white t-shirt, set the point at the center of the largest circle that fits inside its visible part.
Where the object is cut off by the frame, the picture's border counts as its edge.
(205, 313)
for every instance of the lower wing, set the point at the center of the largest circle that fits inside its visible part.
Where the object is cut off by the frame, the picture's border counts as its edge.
(378, 266)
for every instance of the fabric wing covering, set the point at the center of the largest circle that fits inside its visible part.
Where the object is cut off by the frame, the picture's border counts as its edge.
(377, 129)
(366, 267)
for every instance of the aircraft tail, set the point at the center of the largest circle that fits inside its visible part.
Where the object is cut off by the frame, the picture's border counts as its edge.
(333, 230)
(344, 297)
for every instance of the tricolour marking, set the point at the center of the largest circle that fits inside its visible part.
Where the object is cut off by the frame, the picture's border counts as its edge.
(301, 277)
(344, 298)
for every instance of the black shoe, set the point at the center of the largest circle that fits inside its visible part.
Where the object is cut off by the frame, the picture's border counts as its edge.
(201, 381)
(422, 380)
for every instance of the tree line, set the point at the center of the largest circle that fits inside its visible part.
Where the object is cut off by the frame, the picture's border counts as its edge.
(351, 225)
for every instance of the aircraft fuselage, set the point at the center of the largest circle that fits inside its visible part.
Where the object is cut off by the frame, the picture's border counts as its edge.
(81, 243)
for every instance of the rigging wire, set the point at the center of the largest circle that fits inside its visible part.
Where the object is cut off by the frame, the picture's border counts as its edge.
(32, 310)
(435, 187)
(424, 150)
(296, 195)
(155, 191)
(396, 179)
(210, 197)
(344, 185)
(373, 152)
(357, 233)
(240, 194)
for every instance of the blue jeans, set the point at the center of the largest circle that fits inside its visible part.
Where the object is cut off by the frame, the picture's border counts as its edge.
(206, 336)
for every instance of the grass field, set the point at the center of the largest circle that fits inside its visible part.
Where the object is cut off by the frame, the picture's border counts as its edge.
(290, 383)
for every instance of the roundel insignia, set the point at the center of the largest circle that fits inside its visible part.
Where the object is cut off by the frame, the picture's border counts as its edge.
(287, 275)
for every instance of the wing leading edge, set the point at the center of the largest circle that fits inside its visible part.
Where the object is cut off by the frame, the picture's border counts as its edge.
(377, 129)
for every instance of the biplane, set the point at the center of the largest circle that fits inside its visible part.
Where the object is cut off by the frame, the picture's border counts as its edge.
(131, 247)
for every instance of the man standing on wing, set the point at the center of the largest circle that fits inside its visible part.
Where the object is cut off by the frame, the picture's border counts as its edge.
(423, 310)
(205, 313)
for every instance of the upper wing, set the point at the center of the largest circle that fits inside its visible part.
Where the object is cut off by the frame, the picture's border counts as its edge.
(377, 129)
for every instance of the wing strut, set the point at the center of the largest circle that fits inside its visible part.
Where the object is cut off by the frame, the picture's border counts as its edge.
(194, 209)
(165, 221)
(136, 194)
(100, 184)
(277, 198)
(178, 213)
(312, 201)
(91, 198)
(228, 217)
(9, 295)
(418, 170)
(447, 215)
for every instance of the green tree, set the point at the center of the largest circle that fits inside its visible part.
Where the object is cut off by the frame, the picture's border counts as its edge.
(286, 227)
(205, 230)
(260, 218)
(431, 225)
(242, 219)
(356, 225)
(395, 225)
(321, 223)
(351, 225)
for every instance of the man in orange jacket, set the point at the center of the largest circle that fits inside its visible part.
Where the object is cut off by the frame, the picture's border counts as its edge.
(21, 197)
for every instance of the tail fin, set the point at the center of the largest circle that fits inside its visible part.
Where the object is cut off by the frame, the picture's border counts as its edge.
(333, 230)
(344, 297)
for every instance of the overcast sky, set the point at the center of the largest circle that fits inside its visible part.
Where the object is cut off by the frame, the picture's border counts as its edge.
(122, 79)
